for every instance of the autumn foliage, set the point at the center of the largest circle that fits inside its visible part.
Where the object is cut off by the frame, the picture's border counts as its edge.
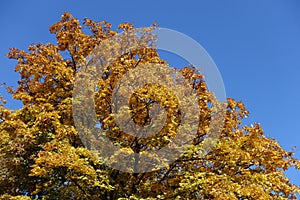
(43, 157)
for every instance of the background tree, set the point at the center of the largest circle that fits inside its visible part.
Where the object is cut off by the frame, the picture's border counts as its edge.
(43, 157)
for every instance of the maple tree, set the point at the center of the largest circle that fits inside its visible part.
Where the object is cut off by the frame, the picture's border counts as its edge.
(44, 157)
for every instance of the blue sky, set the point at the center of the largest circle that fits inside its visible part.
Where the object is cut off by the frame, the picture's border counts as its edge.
(255, 44)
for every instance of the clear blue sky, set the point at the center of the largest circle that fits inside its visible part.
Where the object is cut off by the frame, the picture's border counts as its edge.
(255, 44)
